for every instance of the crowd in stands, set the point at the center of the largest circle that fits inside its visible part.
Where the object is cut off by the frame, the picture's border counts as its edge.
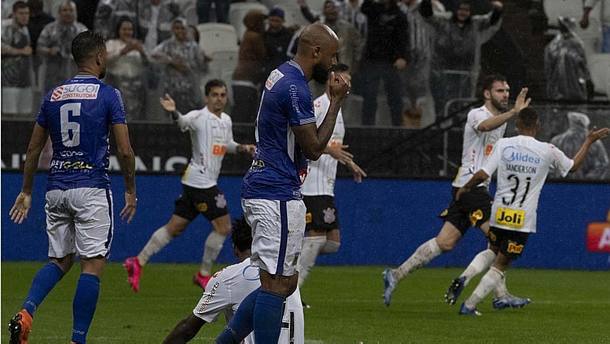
(426, 52)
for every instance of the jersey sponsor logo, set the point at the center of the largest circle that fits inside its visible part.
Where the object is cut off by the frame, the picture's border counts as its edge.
(513, 218)
(273, 78)
(75, 91)
(207, 298)
(488, 149)
(598, 237)
(61, 165)
(250, 273)
(221, 201)
(329, 215)
(512, 154)
(476, 216)
(219, 150)
(514, 247)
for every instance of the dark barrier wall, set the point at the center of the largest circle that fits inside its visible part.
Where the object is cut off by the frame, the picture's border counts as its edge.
(383, 222)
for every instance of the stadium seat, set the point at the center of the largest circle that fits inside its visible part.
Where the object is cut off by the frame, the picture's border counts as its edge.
(239, 10)
(292, 11)
(214, 37)
(599, 67)
(222, 61)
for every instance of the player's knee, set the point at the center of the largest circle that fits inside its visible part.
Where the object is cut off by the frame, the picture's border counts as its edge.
(281, 285)
(330, 246)
(223, 229)
(64, 263)
(175, 230)
(446, 245)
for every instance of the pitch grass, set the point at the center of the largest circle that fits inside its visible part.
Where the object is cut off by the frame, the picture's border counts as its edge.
(346, 307)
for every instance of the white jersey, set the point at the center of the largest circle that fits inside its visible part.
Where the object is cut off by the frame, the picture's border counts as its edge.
(229, 286)
(322, 173)
(211, 138)
(477, 146)
(522, 163)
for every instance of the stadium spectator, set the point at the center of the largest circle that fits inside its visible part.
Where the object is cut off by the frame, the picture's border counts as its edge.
(277, 38)
(155, 19)
(17, 63)
(250, 70)
(54, 44)
(385, 54)
(221, 8)
(605, 20)
(109, 12)
(595, 166)
(38, 20)
(126, 66)
(457, 49)
(86, 12)
(182, 64)
(353, 15)
(565, 65)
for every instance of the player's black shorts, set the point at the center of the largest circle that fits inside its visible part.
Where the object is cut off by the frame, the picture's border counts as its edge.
(473, 209)
(510, 243)
(210, 203)
(321, 213)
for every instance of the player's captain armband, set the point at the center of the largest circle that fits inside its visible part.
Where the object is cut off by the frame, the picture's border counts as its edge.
(219, 150)
(512, 218)
(273, 78)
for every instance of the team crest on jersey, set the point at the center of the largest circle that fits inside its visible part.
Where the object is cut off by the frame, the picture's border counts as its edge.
(329, 215)
(273, 78)
(221, 202)
(75, 91)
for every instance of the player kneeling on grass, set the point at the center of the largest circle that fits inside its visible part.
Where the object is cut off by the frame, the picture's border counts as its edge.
(226, 290)
(522, 164)
(211, 137)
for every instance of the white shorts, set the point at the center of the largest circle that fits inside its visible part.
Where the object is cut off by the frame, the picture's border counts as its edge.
(277, 233)
(79, 221)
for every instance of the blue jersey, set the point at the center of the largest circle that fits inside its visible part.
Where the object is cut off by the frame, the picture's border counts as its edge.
(78, 115)
(279, 166)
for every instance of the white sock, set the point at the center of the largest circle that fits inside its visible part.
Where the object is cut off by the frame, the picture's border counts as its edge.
(157, 241)
(213, 246)
(487, 283)
(422, 256)
(480, 263)
(311, 248)
(500, 290)
(330, 247)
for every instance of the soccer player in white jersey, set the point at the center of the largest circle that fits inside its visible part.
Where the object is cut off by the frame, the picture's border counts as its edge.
(484, 126)
(211, 133)
(522, 164)
(78, 116)
(228, 288)
(286, 136)
(322, 227)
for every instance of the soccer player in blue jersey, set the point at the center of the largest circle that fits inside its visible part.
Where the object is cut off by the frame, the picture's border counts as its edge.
(286, 136)
(78, 115)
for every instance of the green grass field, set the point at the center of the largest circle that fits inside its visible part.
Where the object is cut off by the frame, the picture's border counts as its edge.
(569, 307)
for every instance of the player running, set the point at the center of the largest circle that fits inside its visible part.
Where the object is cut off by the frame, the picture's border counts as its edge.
(78, 115)
(522, 164)
(322, 226)
(228, 288)
(286, 135)
(484, 126)
(211, 133)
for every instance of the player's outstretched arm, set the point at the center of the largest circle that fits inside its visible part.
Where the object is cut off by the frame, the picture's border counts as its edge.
(313, 141)
(128, 167)
(594, 135)
(20, 209)
(496, 121)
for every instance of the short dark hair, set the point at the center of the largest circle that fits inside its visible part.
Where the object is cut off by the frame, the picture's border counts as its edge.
(488, 81)
(35, 5)
(241, 235)
(339, 68)
(86, 44)
(120, 22)
(213, 83)
(19, 5)
(528, 118)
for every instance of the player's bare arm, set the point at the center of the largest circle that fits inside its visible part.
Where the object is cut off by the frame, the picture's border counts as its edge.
(594, 135)
(314, 140)
(126, 159)
(496, 121)
(19, 211)
(476, 179)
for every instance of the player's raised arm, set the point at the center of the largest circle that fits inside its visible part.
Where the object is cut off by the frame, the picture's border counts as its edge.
(496, 121)
(594, 135)
(20, 209)
(126, 159)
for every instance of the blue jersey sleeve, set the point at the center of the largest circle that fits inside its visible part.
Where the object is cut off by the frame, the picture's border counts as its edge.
(116, 107)
(41, 119)
(301, 105)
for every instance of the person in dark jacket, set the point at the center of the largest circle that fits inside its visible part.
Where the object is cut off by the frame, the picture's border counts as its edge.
(385, 54)
(277, 38)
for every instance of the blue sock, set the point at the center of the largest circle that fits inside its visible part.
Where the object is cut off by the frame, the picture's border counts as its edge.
(83, 307)
(242, 323)
(46, 278)
(268, 314)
